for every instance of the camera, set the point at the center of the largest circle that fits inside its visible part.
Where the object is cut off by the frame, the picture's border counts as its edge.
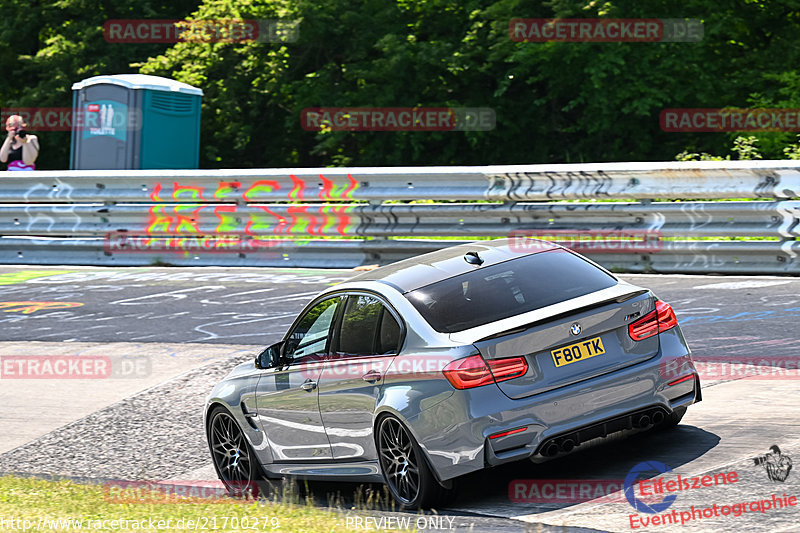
(762, 459)
(22, 133)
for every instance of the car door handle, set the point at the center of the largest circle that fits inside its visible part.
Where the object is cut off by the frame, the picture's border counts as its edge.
(372, 376)
(309, 385)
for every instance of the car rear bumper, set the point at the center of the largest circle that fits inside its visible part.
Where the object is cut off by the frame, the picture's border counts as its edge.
(465, 433)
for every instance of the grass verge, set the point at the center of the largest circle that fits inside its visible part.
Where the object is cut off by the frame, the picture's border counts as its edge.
(29, 504)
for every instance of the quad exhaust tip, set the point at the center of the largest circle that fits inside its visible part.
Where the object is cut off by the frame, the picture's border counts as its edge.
(551, 450)
(567, 443)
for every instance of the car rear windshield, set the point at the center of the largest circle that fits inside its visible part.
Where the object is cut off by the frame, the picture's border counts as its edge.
(507, 289)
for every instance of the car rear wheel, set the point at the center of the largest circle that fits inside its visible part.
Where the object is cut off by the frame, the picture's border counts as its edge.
(411, 482)
(234, 461)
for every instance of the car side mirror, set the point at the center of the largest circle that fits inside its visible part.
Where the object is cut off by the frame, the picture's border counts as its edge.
(270, 357)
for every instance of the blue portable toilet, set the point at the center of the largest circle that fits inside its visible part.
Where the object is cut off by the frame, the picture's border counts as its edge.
(135, 121)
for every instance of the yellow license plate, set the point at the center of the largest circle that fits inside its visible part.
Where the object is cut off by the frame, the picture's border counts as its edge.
(578, 351)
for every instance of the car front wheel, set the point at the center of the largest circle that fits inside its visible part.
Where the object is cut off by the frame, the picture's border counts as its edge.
(233, 460)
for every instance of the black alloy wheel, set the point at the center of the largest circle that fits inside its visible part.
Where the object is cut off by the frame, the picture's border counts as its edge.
(399, 461)
(231, 453)
(405, 470)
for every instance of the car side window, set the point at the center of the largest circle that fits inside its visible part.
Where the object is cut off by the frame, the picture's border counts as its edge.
(368, 328)
(310, 335)
(389, 334)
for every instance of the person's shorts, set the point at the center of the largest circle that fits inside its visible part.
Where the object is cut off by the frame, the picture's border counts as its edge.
(19, 165)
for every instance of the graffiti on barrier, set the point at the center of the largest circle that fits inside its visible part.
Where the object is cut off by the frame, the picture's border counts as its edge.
(257, 220)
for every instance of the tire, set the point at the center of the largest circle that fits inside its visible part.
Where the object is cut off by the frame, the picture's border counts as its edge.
(405, 469)
(234, 460)
(673, 419)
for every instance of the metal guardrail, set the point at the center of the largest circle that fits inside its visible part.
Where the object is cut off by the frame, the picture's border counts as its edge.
(344, 217)
(670, 180)
(669, 219)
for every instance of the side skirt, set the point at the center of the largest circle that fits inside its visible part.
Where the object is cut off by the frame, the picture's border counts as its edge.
(363, 471)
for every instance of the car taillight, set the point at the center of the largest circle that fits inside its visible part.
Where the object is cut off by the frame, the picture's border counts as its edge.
(662, 319)
(666, 316)
(503, 369)
(473, 371)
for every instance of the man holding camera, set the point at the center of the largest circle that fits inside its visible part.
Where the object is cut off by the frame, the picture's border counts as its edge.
(19, 150)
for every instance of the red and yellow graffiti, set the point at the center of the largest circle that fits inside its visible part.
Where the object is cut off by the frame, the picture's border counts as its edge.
(307, 221)
(329, 191)
(262, 186)
(27, 308)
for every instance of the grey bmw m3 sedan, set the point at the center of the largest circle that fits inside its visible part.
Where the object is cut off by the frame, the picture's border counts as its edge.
(427, 369)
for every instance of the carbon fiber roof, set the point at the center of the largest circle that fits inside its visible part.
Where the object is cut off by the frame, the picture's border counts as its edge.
(415, 272)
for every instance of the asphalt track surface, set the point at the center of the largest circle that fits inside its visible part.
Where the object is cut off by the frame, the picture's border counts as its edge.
(170, 333)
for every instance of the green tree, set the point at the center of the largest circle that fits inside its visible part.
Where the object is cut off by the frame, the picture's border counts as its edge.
(554, 102)
(48, 45)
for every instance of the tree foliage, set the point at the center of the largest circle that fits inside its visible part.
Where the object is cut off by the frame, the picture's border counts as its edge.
(554, 102)
(47, 45)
